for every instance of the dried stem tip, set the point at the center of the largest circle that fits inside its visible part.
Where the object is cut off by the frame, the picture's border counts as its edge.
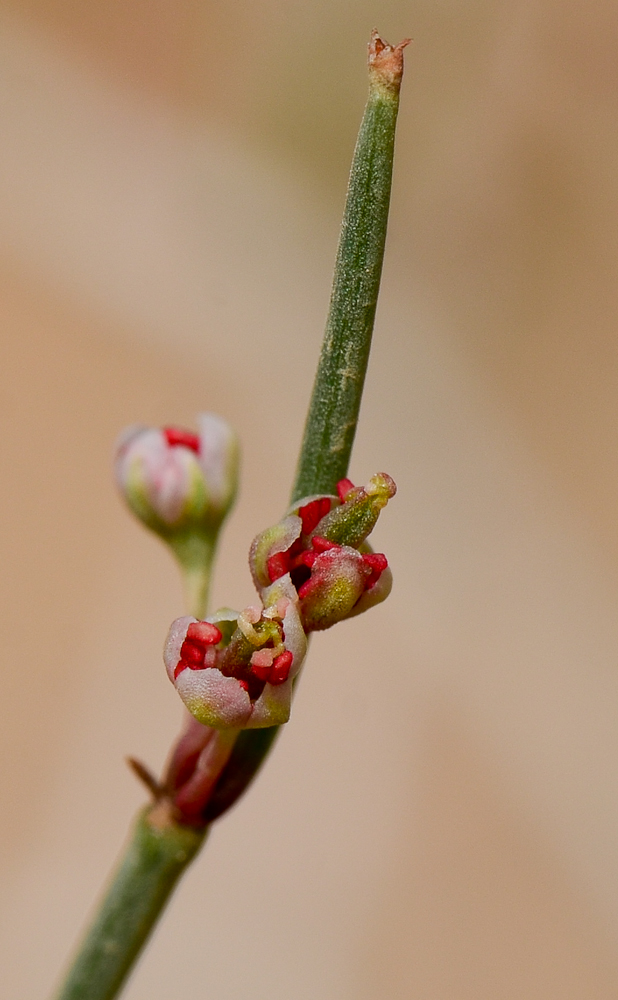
(386, 62)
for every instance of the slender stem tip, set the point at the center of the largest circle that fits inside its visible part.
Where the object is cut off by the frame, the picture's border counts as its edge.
(386, 62)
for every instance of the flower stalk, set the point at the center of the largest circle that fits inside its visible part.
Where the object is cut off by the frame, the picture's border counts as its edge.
(209, 769)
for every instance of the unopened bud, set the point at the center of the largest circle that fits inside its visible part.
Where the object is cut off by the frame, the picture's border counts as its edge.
(181, 485)
(176, 481)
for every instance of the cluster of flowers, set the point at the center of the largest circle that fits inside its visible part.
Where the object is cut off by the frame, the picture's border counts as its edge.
(311, 570)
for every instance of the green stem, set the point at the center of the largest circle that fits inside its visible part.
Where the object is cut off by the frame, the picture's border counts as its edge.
(156, 857)
(338, 388)
(195, 554)
(340, 377)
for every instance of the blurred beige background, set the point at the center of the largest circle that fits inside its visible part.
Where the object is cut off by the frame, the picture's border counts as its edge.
(440, 818)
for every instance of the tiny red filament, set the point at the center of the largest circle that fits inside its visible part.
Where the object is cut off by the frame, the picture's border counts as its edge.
(312, 513)
(377, 562)
(278, 565)
(176, 435)
(343, 488)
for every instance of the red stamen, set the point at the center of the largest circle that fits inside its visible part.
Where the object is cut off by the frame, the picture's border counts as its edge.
(280, 669)
(377, 562)
(312, 513)
(204, 633)
(322, 544)
(192, 654)
(178, 436)
(262, 673)
(343, 488)
(278, 565)
(244, 686)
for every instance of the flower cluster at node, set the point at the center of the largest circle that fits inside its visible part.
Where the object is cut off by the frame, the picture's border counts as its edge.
(321, 548)
(311, 570)
(236, 670)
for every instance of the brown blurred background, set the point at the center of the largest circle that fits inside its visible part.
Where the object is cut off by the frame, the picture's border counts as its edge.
(440, 818)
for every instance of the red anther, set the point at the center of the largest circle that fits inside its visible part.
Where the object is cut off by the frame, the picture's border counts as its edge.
(343, 488)
(244, 686)
(377, 562)
(312, 513)
(280, 669)
(322, 544)
(192, 654)
(180, 666)
(262, 673)
(176, 435)
(204, 633)
(278, 565)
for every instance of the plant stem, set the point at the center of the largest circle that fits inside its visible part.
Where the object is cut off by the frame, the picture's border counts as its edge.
(195, 554)
(161, 848)
(338, 388)
(340, 377)
(156, 857)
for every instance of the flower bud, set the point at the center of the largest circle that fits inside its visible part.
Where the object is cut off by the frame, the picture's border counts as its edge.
(235, 671)
(181, 485)
(177, 481)
(321, 549)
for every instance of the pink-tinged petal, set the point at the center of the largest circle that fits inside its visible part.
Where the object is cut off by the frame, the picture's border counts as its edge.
(295, 637)
(268, 543)
(156, 479)
(218, 458)
(214, 700)
(272, 708)
(378, 593)
(281, 590)
(173, 644)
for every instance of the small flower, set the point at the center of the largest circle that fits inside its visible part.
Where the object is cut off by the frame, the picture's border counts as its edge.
(235, 671)
(181, 485)
(321, 548)
(176, 481)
